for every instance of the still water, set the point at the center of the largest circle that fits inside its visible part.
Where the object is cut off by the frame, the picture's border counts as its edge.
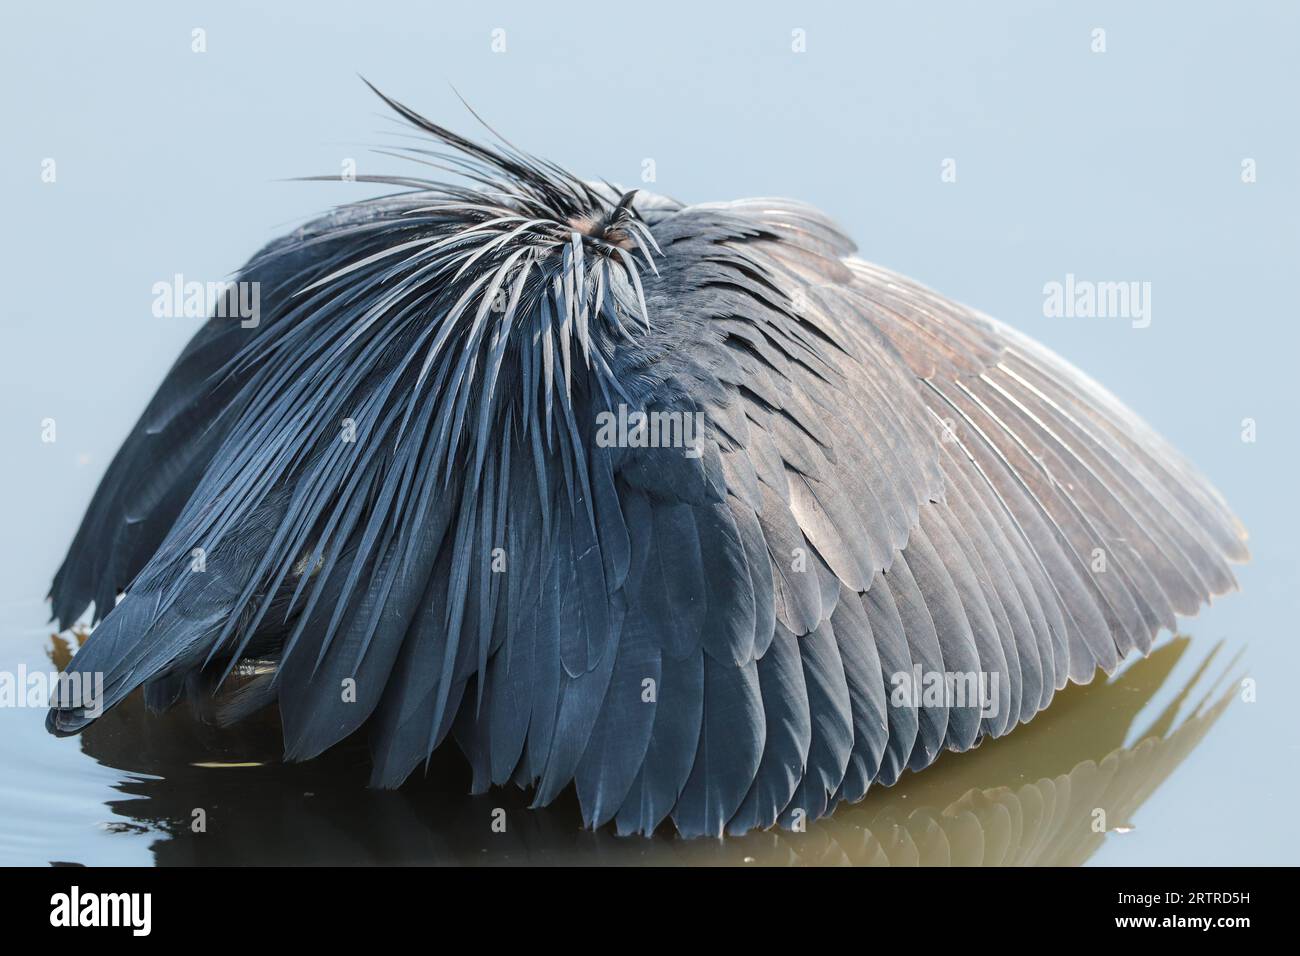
(1059, 791)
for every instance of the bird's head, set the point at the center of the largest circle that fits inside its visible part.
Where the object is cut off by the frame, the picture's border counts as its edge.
(614, 228)
(499, 294)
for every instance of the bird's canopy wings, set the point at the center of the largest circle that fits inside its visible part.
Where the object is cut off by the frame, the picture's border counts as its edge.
(683, 504)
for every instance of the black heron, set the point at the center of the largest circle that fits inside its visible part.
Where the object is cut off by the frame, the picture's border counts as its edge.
(668, 502)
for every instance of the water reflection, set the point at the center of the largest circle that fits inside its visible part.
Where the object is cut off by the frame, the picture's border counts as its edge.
(1030, 798)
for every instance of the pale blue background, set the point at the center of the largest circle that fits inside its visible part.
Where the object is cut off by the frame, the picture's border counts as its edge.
(1115, 166)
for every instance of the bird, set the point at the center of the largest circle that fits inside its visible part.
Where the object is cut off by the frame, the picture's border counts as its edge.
(682, 506)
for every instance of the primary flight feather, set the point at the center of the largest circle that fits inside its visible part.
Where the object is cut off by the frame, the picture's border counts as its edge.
(663, 501)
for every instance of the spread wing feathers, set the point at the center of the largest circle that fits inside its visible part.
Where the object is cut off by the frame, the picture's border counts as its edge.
(947, 522)
(346, 520)
(166, 453)
(199, 402)
(683, 506)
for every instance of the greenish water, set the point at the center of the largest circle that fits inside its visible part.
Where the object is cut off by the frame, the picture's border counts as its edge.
(137, 789)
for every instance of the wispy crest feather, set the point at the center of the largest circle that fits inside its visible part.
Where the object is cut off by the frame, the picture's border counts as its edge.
(522, 262)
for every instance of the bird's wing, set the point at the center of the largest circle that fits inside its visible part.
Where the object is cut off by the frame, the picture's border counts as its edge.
(167, 451)
(882, 484)
(890, 484)
(148, 480)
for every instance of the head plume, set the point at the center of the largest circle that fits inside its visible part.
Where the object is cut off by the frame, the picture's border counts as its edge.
(446, 324)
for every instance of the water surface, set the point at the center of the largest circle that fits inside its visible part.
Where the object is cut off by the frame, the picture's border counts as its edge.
(130, 789)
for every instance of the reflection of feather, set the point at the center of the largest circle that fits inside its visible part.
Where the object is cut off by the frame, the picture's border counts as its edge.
(972, 809)
(1050, 822)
